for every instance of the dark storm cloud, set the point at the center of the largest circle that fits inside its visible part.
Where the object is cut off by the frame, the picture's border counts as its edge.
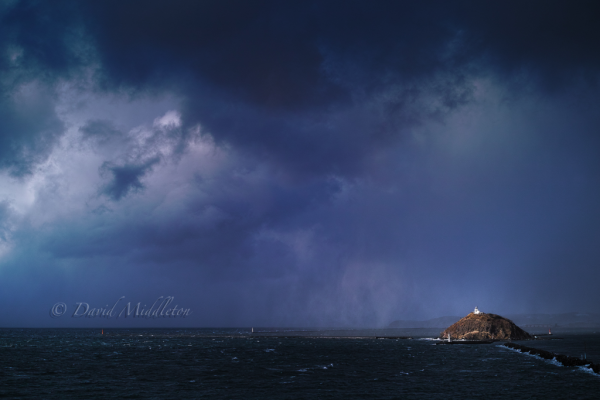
(100, 131)
(38, 45)
(264, 75)
(126, 178)
(333, 79)
(133, 155)
(215, 229)
(29, 129)
(40, 40)
(5, 214)
(548, 43)
(324, 210)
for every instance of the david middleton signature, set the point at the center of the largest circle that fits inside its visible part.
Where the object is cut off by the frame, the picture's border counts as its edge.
(159, 309)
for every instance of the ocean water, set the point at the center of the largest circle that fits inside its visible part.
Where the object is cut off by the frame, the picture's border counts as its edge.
(576, 345)
(231, 364)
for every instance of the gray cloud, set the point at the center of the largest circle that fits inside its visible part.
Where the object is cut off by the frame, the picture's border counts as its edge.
(125, 178)
(100, 131)
(276, 84)
(29, 129)
(5, 223)
(326, 163)
(38, 46)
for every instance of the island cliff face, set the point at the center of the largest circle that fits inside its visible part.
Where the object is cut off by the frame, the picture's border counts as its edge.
(484, 327)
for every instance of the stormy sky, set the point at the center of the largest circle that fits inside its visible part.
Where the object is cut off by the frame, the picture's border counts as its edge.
(298, 163)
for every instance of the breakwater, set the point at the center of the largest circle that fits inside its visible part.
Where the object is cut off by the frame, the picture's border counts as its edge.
(567, 361)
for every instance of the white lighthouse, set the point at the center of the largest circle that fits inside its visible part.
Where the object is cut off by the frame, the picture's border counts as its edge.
(477, 311)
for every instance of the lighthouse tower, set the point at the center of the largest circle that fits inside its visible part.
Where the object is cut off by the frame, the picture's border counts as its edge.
(477, 311)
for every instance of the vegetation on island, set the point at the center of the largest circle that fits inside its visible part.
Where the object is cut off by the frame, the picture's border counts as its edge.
(485, 327)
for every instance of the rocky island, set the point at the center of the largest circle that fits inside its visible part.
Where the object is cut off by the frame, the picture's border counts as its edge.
(482, 326)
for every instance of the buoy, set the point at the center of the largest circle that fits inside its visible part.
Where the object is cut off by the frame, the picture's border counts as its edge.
(103, 331)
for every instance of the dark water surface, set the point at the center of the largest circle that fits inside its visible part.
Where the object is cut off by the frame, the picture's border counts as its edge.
(574, 345)
(182, 364)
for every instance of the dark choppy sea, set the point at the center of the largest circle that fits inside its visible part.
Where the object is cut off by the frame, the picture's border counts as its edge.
(224, 364)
